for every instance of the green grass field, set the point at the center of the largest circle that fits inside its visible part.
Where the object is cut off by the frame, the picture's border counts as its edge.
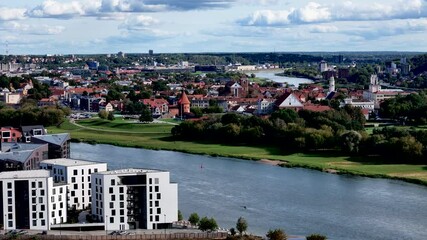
(157, 136)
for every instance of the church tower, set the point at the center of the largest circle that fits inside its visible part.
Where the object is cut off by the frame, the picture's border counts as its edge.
(184, 104)
(331, 84)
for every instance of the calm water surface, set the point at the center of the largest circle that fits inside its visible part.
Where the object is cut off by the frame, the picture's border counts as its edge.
(298, 200)
(271, 75)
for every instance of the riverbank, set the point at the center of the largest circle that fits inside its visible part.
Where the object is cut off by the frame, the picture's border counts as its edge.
(158, 137)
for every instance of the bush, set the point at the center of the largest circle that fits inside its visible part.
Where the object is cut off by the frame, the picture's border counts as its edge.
(194, 218)
(316, 237)
(276, 234)
(207, 224)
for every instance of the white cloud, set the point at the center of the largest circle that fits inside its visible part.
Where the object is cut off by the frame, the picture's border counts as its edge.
(346, 11)
(323, 29)
(7, 14)
(55, 9)
(138, 23)
(32, 29)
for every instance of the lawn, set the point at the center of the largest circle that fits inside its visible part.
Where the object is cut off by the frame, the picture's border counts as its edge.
(157, 136)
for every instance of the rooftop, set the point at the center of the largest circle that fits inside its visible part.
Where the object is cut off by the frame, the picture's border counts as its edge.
(67, 162)
(57, 139)
(25, 174)
(130, 171)
(14, 147)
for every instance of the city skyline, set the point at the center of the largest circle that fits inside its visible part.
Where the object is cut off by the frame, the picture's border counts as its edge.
(109, 26)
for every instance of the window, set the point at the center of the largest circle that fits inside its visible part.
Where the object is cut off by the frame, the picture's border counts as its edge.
(40, 184)
(156, 181)
(151, 218)
(53, 214)
(73, 179)
(88, 178)
(54, 191)
(9, 193)
(96, 170)
(113, 212)
(9, 209)
(151, 211)
(42, 207)
(90, 171)
(151, 203)
(42, 192)
(159, 196)
(159, 210)
(113, 197)
(151, 188)
(33, 184)
(34, 215)
(54, 206)
(34, 207)
(157, 218)
(10, 216)
(34, 222)
(40, 214)
(156, 203)
(122, 204)
(151, 196)
(9, 201)
(111, 190)
(75, 172)
(150, 181)
(9, 185)
(75, 186)
(61, 205)
(111, 205)
(83, 171)
(113, 182)
(122, 197)
(121, 189)
(43, 222)
(73, 193)
(60, 190)
(54, 171)
(122, 212)
(33, 192)
(156, 188)
(10, 224)
(111, 220)
(40, 199)
(122, 219)
(76, 200)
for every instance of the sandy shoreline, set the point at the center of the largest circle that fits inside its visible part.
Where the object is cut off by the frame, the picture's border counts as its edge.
(271, 162)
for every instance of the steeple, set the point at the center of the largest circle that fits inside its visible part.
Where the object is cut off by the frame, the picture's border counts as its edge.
(332, 84)
(184, 104)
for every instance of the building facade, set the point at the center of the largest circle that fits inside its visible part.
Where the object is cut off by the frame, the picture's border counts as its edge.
(77, 175)
(31, 200)
(134, 199)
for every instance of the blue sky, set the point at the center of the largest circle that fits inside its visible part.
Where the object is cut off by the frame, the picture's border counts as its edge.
(109, 26)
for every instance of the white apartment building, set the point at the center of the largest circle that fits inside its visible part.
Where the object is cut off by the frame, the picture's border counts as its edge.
(77, 175)
(134, 199)
(31, 200)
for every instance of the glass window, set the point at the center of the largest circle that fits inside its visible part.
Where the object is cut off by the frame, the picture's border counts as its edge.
(156, 181)
(40, 214)
(73, 179)
(156, 188)
(113, 182)
(42, 192)
(33, 184)
(42, 207)
(75, 172)
(159, 196)
(111, 220)
(157, 218)
(122, 219)
(122, 197)
(9, 185)
(43, 222)
(111, 190)
(159, 210)
(34, 222)
(121, 189)
(111, 205)
(113, 212)
(122, 204)
(40, 184)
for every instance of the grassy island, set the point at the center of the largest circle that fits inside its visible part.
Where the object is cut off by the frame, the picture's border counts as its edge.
(157, 136)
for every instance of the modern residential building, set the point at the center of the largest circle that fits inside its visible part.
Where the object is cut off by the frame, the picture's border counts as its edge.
(77, 175)
(134, 199)
(59, 144)
(30, 131)
(27, 156)
(31, 200)
(10, 134)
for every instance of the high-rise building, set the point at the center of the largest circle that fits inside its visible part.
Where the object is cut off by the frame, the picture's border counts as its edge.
(134, 199)
(31, 200)
(77, 174)
(323, 66)
(150, 52)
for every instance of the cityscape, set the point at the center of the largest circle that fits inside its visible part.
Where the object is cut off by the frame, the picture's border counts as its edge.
(258, 119)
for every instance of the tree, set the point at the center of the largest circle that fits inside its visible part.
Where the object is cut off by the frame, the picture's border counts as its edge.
(197, 112)
(207, 224)
(110, 116)
(232, 231)
(316, 237)
(350, 141)
(194, 218)
(103, 114)
(241, 225)
(180, 217)
(146, 116)
(276, 234)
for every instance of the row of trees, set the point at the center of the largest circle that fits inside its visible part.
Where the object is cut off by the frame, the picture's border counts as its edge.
(290, 131)
(32, 115)
(410, 109)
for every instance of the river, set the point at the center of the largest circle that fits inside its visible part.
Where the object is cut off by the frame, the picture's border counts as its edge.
(271, 75)
(300, 201)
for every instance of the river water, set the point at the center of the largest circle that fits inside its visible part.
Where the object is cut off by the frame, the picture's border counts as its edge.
(271, 75)
(300, 201)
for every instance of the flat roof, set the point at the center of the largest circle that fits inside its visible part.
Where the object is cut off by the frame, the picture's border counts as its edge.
(67, 162)
(130, 171)
(41, 173)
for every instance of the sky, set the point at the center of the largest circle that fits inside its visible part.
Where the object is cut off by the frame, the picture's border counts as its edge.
(176, 26)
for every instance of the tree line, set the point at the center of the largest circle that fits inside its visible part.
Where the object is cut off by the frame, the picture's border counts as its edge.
(32, 115)
(306, 131)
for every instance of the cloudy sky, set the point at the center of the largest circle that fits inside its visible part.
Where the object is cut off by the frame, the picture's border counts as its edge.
(109, 26)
